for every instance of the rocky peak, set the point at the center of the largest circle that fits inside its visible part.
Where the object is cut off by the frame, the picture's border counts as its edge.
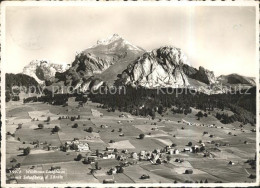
(108, 40)
(171, 54)
(113, 53)
(159, 68)
(205, 76)
(114, 43)
(42, 70)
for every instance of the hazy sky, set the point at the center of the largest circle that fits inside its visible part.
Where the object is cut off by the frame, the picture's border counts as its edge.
(221, 39)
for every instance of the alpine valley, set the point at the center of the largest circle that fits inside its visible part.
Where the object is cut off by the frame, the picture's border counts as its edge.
(120, 114)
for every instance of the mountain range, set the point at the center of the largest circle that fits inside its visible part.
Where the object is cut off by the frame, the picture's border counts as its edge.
(114, 60)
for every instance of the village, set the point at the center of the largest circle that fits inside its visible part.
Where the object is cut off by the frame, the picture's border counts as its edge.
(114, 145)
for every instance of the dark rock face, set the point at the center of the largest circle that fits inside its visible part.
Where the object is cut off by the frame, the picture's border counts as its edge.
(205, 76)
(189, 71)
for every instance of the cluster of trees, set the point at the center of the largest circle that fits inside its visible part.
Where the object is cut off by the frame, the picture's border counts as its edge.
(226, 119)
(40, 126)
(181, 110)
(142, 101)
(26, 151)
(56, 99)
(75, 125)
(252, 163)
(22, 81)
(56, 129)
(9, 97)
(90, 129)
(79, 157)
(141, 136)
(73, 118)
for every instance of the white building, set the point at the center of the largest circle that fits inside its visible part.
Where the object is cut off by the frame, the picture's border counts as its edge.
(187, 150)
(83, 147)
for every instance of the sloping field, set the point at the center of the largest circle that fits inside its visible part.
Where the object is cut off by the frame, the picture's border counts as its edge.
(42, 115)
(75, 172)
(53, 157)
(96, 113)
(42, 135)
(135, 172)
(124, 144)
(167, 142)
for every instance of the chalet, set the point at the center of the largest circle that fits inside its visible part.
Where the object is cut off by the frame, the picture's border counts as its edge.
(134, 155)
(83, 147)
(167, 148)
(112, 171)
(103, 126)
(121, 115)
(109, 156)
(176, 151)
(121, 157)
(179, 160)
(53, 148)
(173, 151)
(187, 150)
(75, 141)
(194, 148)
(231, 163)
(142, 153)
(109, 149)
(155, 158)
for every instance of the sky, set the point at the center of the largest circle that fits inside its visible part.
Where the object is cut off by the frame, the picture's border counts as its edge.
(221, 39)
